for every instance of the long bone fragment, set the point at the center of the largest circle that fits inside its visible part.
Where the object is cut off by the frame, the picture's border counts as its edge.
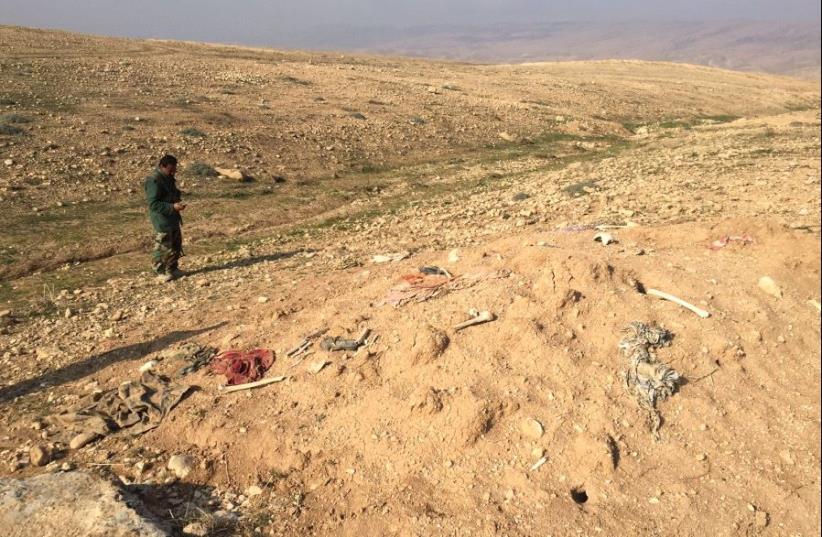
(249, 385)
(479, 318)
(665, 296)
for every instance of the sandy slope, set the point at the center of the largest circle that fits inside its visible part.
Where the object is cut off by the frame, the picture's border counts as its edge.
(411, 437)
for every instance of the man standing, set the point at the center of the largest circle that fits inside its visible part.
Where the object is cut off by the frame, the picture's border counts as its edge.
(164, 208)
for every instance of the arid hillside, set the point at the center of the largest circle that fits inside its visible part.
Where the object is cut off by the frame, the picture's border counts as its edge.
(761, 46)
(359, 171)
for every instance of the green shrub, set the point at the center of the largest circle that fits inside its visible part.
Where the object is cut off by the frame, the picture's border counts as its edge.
(192, 132)
(14, 118)
(579, 188)
(10, 130)
(201, 169)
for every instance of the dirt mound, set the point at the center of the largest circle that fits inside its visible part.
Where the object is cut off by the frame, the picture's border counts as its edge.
(434, 432)
(519, 425)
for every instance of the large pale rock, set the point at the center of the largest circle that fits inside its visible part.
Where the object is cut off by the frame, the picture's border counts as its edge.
(70, 504)
(181, 465)
(236, 175)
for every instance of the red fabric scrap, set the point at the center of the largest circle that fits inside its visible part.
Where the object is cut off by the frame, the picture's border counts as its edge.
(727, 239)
(241, 367)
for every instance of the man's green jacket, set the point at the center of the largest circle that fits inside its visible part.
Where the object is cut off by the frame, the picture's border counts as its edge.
(161, 195)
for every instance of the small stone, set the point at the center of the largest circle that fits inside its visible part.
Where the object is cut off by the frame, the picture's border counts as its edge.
(532, 428)
(8, 162)
(66, 467)
(82, 439)
(37, 425)
(701, 457)
(197, 529)
(653, 500)
(453, 256)
(767, 284)
(762, 519)
(39, 456)
(181, 465)
(253, 490)
(16, 465)
(538, 452)
(68, 313)
(262, 299)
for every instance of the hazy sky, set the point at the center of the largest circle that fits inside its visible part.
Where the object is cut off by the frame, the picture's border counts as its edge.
(275, 21)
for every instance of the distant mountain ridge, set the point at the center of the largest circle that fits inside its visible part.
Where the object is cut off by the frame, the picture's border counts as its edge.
(774, 47)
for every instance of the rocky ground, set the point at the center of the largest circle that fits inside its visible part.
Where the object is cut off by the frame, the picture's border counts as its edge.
(519, 426)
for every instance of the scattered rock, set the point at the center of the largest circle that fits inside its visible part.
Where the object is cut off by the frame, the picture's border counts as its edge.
(253, 490)
(767, 284)
(508, 137)
(532, 428)
(197, 529)
(453, 256)
(82, 439)
(181, 465)
(39, 456)
(236, 175)
(390, 258)
(761, 518)
(148, 366)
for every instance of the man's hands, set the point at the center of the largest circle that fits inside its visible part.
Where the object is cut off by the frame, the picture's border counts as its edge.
(179, 206)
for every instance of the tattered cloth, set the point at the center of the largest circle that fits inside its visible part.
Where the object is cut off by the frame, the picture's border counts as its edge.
(139, 406)
(420, 287)
(241, 367)
(195, 356)
(648, 380)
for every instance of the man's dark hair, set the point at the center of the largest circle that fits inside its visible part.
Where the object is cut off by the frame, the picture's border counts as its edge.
(167, 160)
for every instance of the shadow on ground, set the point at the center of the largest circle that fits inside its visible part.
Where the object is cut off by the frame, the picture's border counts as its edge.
(173, 505)
(246, 262)
(97, 362)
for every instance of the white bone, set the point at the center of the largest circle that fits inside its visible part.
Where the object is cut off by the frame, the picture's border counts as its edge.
(482, 317)
(665, 296)
(249, 385)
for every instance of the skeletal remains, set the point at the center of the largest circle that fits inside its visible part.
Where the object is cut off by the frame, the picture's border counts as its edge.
(249, 385)
(477, 317)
